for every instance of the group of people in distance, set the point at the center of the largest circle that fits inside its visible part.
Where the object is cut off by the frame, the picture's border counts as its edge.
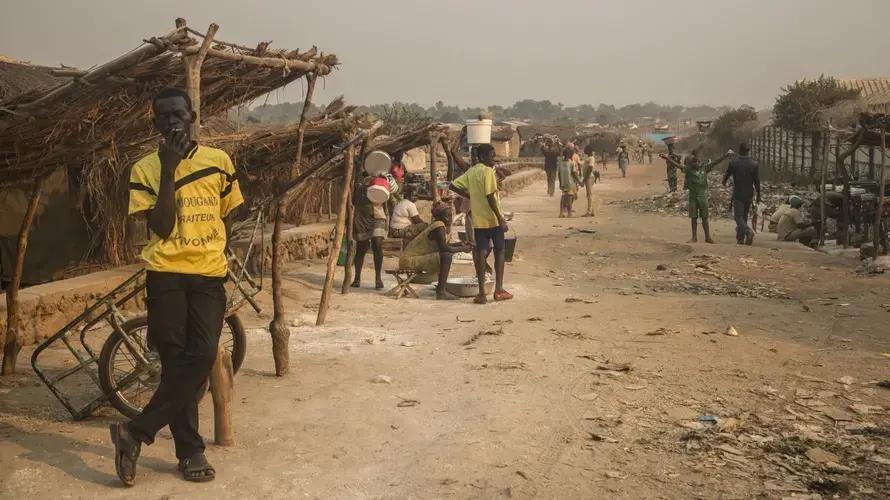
(787, 221)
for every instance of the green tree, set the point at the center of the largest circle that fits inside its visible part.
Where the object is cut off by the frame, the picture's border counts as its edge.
(732, 127)
(799, 104)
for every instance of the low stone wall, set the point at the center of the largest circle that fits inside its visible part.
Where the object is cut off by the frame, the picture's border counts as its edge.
(310, 241)
(45, 309)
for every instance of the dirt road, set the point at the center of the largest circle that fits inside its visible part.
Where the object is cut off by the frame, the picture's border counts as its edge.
(609, 376)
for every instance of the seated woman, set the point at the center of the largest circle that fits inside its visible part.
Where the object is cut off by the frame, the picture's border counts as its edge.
(430, 253)
(405, 222)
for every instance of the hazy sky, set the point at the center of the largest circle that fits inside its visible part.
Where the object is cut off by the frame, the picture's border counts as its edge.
(478, 52)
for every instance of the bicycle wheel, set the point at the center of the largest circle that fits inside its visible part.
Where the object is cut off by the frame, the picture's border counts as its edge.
(117, 362)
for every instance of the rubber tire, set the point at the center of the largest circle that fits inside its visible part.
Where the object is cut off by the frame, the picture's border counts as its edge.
(239, 351)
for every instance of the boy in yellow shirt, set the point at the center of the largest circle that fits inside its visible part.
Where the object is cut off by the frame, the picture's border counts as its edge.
(479, 184)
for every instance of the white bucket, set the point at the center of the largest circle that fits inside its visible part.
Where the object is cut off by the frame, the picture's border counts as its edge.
(377, 163)
(479, 131)
(378, 194)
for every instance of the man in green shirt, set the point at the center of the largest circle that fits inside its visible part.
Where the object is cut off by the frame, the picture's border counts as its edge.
(697, 179)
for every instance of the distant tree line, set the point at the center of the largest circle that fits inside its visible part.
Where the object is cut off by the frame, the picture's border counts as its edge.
(539, 111)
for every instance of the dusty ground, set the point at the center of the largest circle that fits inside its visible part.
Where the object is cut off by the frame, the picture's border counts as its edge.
(539, 408)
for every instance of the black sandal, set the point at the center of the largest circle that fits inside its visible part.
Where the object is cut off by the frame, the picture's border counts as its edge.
(126, 453)
(197, 469)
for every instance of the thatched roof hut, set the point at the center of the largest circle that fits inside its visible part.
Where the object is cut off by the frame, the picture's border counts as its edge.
(19, 76)
(97, 123)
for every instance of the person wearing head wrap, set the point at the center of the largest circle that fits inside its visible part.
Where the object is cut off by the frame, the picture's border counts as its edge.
(793, 227)
(780, 211)
(430, 253)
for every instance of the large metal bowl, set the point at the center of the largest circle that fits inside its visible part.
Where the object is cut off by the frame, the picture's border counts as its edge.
(462, 287)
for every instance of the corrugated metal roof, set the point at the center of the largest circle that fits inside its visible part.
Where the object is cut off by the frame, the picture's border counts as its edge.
(867, 86)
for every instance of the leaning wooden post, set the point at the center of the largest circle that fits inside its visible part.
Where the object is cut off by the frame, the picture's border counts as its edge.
(338, 238)
(350, 218)
(13, 344)
(434, 182)
(822, 191)
(880, 209)
(277, 328)
(222, 382)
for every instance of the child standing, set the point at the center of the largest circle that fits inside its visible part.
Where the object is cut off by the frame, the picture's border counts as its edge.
(568, 182)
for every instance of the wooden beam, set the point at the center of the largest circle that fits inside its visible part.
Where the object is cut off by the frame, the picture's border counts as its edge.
(193, 76)
(12, 343)
(268, 62)
(338, 237)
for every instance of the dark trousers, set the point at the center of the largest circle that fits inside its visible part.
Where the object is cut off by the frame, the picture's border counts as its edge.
(551, 182)
(741, 208)
(185, 317)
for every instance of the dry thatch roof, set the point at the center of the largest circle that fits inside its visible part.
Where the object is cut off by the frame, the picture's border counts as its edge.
(98, 122)
(18, 76)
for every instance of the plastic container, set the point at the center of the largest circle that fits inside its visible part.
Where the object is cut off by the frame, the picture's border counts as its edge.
(378, 190)
(509, 248)
(377, 163)
(479, 131)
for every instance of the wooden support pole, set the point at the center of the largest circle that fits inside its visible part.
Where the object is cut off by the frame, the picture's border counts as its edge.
(222, 383)
(354, 190)
(871, 163)
(12, 344)
(880, 208)
(822, 190)
(193, 76)
(338, 238)
(222, 386)
(278, 330)
(434, 182)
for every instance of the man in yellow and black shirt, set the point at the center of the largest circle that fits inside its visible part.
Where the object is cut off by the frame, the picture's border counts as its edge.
(186, 193)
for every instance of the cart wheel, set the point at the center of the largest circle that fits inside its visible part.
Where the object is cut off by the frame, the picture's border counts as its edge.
(116, 363)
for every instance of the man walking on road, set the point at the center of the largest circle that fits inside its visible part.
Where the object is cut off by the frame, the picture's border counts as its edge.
(745, 175)
(185, 192)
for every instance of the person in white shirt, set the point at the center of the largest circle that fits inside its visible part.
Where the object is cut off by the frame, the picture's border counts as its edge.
(405, 222)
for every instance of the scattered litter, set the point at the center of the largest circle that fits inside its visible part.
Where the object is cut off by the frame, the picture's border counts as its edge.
(863, 409)
(820, 456)
(732, 332)
(590, 396)
(636, 387)
(296, 322)
(661, 331)
(708, 418)
(535, 319)
(382, 379)
(615, 367)
(846, 380)
(695, 426)
(601, 438)
(573, 300)
(407, 403)
(729, 449)
(408, 344)
(611, 474)
(474, 338)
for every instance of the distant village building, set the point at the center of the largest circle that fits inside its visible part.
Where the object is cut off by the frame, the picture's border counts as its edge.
(506, 141)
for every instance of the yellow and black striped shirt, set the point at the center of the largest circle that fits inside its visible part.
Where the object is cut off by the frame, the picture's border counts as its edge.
(206, 192)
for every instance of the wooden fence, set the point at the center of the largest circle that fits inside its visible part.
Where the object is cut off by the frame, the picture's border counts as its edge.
(798, 155)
